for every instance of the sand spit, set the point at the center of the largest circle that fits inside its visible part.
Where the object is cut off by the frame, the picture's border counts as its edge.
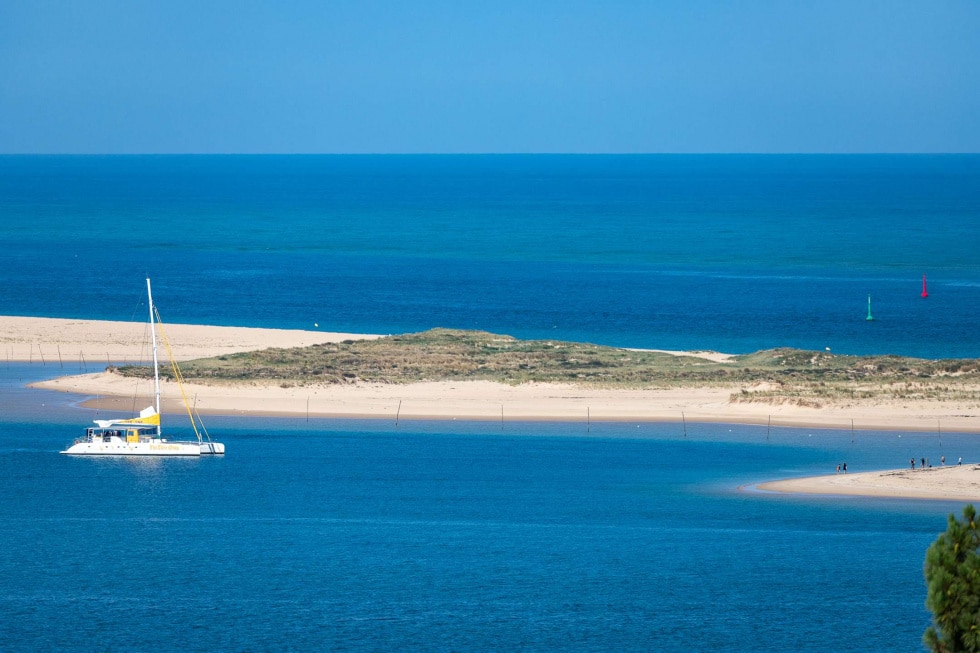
(74, 342)
(949, 482)
(92, 342)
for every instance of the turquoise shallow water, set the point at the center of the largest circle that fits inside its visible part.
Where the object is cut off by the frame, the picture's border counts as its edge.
(363, 535)
(732, 253)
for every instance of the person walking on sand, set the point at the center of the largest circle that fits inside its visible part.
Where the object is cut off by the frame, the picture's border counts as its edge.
(844, 466)
(942, 461)
(838, 469)
(912, 462)
(960, 461)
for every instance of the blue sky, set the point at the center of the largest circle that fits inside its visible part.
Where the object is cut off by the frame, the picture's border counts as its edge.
(121, 76)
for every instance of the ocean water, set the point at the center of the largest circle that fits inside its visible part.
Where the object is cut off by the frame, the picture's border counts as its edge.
(456, 536)
(731, 253)
(366, 536)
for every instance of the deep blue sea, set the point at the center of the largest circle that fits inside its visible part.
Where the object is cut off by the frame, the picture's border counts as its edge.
(451, 536)
(726, 252)
(448, 536)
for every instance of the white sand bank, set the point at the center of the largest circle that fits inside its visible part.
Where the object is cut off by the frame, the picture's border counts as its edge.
(954, 482)
(484, 400)
(95, 342)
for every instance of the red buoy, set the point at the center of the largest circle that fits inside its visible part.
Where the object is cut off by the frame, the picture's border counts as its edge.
(924, 293)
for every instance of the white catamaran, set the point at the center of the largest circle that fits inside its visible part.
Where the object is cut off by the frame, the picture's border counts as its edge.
(141, 436)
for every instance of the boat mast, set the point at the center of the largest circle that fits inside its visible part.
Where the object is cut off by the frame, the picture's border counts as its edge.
(156, 373)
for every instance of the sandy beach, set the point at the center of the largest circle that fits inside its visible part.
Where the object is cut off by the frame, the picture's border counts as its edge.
(30, 339)
(42, 339)
(72, 342)
(954, 482)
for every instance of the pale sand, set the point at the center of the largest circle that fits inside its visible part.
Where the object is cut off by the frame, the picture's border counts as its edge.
(484, 400)
(714, 356)
(472, 400)
(54, 340)
(955, 482)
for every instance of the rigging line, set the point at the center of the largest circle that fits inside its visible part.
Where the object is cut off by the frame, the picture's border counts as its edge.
(177, 374)
(138, 309)
(201, 424)
(136, 394)
(142, 357)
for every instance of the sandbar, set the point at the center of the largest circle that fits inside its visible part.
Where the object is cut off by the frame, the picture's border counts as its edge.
(949, 482)
(88, 342)
(75, 343)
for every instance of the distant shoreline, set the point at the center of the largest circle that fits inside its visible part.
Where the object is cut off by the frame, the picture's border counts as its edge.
(90, 341)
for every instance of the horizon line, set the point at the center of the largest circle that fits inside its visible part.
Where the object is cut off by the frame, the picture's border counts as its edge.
(530, 153)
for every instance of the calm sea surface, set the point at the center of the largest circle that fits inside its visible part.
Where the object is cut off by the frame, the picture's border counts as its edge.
(364, 536)
(732, 253)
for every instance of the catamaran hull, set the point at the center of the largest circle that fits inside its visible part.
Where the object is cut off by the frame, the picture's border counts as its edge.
(211, 448)
(135, 449)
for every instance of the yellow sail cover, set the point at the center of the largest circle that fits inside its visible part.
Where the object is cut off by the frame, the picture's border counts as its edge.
(148, 417)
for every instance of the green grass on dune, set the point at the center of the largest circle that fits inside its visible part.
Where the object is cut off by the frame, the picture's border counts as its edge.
(774, 376)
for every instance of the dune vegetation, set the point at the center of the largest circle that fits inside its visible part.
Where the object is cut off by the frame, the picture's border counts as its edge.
(771, 376)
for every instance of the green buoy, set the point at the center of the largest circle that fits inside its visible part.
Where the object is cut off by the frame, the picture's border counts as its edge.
(869, 318)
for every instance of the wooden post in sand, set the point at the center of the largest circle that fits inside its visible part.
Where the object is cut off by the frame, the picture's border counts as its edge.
(684, 421)
(41, 354)
(588, 420)
(398, 412)
(60, 362)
